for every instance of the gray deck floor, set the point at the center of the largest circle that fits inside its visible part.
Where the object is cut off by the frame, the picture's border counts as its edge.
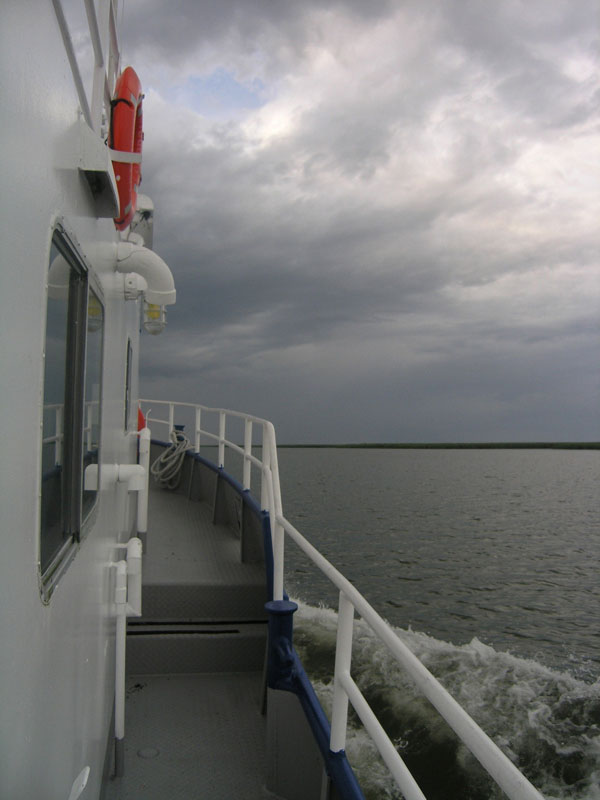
(199, 735)
(193, 737)
(184, 546)
(192, 569)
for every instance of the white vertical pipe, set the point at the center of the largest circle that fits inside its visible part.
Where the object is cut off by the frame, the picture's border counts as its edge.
(142, 499)
(128, 587)
(171, 416)
(343, 659)
(247, 452)
(221, 461)
(134, 577)
(121, 603)
(198, 427)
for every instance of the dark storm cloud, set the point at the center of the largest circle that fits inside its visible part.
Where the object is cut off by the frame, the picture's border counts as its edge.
(181, 26)
(404, 219)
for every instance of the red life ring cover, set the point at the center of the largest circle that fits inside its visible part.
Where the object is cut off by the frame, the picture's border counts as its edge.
(127, 135)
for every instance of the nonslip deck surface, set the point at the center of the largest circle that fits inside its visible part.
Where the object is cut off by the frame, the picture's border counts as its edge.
(193, 722)
(193, 737)
(184, 546)
(192, 569)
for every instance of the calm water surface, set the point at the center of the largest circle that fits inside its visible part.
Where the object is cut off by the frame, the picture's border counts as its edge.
(502, 545)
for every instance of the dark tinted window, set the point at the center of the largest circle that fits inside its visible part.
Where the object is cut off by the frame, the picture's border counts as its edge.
(71, 420)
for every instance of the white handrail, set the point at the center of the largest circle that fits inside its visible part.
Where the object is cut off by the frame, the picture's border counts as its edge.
(270, 493)
(499, 767)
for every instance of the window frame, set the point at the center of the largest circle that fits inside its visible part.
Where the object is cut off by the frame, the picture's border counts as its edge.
(74, 526)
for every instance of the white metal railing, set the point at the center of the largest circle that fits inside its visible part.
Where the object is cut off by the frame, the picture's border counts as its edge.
(498, 766)
(270, 493)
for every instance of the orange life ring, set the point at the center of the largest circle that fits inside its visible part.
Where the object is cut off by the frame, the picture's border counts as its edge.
(125, 142)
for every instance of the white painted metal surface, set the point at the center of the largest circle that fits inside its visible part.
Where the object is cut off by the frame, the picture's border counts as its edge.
(500, 768)
(79, 784)
(57, 660)
(144, 461)
(128, 601)
(133, 258)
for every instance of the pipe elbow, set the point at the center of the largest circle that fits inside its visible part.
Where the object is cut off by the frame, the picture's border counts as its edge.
(132, 474)
(136, 258)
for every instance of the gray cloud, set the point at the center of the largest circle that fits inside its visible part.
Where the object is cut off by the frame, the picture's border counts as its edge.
(400, 241)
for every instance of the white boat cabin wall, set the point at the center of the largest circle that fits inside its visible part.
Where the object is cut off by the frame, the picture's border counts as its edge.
(74, 290)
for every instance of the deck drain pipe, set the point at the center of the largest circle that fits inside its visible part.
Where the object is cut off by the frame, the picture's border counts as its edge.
(128, 600)
(142, 498)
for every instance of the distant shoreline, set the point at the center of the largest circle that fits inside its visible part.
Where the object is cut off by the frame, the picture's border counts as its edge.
(455, 446)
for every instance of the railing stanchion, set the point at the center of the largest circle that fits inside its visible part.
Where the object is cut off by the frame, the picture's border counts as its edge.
(343, 658)
(171, 417)
(276, 515)
(221, 438)
(278, 552)
(264, 474)
(198, 428)
(247, 452)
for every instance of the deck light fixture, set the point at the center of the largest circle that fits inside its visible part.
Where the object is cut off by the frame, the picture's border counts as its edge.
(155, 318)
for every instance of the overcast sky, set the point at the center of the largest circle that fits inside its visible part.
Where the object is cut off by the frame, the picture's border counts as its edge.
(382, 217)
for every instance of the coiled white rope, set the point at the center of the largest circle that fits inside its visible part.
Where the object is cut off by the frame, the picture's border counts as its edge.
(166, 470)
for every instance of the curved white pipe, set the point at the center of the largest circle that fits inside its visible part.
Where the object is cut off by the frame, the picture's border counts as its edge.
(136, 258)
(134, 475)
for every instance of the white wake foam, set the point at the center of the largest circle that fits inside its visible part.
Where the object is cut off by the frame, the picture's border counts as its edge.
(547, 722)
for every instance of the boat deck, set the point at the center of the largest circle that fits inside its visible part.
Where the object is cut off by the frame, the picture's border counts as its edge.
(179, 742)
(192, 568)
(194, 726)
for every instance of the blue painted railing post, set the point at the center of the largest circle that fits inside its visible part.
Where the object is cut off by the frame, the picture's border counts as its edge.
(280, 660)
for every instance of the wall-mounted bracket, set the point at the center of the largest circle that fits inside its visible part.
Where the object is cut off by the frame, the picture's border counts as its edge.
(96, 166)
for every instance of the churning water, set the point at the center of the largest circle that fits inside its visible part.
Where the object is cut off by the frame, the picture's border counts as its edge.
(486, 563)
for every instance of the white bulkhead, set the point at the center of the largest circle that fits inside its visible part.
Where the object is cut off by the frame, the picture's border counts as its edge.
(57, 612)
